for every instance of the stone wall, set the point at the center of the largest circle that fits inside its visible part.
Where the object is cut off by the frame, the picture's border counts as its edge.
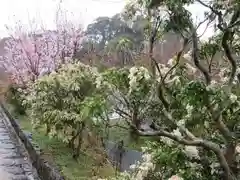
(44, 169)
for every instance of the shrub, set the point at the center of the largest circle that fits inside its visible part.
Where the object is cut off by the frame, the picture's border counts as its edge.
(62, 101)
(15, 98)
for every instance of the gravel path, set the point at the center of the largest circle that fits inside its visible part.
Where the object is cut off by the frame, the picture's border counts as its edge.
(14, 160)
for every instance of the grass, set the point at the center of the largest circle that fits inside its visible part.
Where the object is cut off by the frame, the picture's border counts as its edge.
(56, 153)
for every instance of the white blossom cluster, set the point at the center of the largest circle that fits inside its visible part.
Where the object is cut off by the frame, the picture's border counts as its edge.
(136, 75)
(175, 177)
(212, 85)
(192, 152)
(173, 77)
(236, 78)
(99, 81)
(142, 169)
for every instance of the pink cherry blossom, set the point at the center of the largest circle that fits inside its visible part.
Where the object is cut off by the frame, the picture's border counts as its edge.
(28, 54)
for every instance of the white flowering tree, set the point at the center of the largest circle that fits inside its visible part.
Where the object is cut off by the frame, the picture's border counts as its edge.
(66, 102)
(127, 91)
(197, 106)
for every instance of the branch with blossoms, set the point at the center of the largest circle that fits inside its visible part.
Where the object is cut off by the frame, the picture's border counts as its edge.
(227, 28)
(226, 156)
(191, 140)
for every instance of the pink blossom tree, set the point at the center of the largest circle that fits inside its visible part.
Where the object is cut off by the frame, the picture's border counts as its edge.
(30, 55)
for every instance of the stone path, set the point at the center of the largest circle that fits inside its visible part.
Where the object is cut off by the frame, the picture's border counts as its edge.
(14, 161)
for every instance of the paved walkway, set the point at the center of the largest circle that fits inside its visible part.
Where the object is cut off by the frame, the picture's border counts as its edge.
(14, 161)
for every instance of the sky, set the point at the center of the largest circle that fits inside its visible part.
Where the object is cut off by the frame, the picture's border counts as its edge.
(84, 11)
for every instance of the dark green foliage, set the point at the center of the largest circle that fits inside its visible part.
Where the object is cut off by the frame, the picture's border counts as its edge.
(14, 98)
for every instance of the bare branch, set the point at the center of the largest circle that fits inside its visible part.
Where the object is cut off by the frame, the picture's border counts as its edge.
(205, 28)
(179, 54)
(152, 39)
(227, 38)
(181, 128)
(234, 24)
(218, 13)
(196, 57)
(122, 113)
(217, 117)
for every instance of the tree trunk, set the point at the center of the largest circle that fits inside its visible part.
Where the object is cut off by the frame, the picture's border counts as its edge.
(80, 140)
(230, 155)
(71, 142)
(133, 135)
(48, 130)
